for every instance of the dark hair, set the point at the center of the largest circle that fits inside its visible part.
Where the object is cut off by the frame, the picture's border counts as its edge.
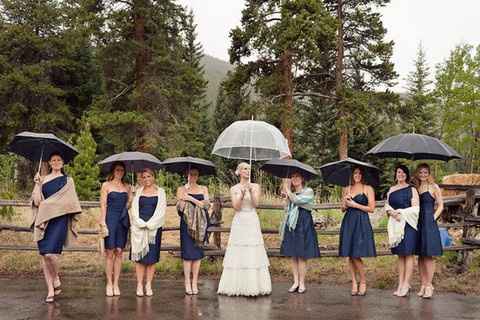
(404, 168)
(362, 172)
(111, 174)
(53, 154)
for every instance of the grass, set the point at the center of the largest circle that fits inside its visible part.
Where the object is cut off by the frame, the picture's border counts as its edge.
(381, 272)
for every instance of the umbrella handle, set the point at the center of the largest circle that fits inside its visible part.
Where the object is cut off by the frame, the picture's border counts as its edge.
(40, 161)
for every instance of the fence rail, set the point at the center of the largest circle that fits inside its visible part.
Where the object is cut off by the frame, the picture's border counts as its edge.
(461, 211)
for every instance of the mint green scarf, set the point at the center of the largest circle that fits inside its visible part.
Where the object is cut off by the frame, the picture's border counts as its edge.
(304, 199)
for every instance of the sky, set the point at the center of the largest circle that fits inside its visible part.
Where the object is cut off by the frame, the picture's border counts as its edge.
(439, 25)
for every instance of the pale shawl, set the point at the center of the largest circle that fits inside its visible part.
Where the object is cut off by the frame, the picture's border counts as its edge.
(143, 233)
(396, 229)
(304, 199)
(64, 201)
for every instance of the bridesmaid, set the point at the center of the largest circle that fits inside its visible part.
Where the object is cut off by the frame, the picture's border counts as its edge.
(191, 254)
(299, 238)
(147, 216)
(429, 244)
(114, 198)
(356, 234)
(402, 206)
(53, 221)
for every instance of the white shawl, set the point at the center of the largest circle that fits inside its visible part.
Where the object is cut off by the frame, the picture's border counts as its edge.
(143, 233)
(396, 229)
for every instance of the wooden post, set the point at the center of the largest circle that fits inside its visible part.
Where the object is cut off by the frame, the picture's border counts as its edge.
(464, 256)
(216, 218)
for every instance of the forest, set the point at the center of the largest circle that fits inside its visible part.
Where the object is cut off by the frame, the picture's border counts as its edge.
(111, 76)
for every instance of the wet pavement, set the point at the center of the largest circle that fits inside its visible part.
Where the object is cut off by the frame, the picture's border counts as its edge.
(84, 299)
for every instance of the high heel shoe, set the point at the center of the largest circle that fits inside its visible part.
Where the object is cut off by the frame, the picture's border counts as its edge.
(116, 291)
(109, 291)
(140, 291)
(363, 286)
(293, 288)
(354, 291)
(428, 292)
(148, 291)
(301, 290)
(421, 292)
(404, 292)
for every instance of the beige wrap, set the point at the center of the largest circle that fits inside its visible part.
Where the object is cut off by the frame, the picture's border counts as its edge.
(64, 201)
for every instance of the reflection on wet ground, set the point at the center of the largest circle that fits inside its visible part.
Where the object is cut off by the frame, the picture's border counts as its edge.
(84, 299)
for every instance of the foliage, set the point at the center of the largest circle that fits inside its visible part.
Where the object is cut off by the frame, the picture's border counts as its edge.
(84, 170)
(457, 92)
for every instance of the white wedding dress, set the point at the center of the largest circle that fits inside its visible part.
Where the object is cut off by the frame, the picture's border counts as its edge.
(245, 265)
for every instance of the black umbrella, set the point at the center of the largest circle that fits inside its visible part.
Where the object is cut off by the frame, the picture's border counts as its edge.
(134, 161)
(284, 168)
(415, 147)
(36, 146)
(182, 164)
(340, 172)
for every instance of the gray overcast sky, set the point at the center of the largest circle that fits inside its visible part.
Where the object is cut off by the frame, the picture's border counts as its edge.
(439, 24)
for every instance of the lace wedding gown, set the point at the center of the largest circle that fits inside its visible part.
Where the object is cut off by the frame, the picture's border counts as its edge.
(245, 265)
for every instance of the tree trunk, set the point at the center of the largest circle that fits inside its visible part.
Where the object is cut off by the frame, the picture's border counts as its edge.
(287, 91)
(343, 141)
(139, 9)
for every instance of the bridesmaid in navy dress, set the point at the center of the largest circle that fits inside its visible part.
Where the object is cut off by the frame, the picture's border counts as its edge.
(356, 233)
(114, 198)
(191, 253)
(56, 231)
(299, 237)
(429, 244)
(401, 199)
(149, 207)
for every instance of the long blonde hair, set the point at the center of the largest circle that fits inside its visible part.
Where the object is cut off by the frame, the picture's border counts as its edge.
(416, 177)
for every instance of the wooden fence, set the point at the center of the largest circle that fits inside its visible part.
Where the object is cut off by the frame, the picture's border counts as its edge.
(460, 212)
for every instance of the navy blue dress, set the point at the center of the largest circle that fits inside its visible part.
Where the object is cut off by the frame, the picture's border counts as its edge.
(429, 242)
(147, 206)
(302, 242)
(356, 233)
(190, 251)
(401, 199)
(116, 213)
(57, 228)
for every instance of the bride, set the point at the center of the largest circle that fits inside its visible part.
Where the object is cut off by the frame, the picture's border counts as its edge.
(245, 265)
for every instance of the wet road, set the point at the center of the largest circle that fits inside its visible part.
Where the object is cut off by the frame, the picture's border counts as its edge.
(84, 299)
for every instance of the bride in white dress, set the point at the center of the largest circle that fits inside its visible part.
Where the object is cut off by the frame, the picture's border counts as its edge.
(245, 265)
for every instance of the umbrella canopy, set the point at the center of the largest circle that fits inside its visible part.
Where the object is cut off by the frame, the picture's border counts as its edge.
(35, 146)
(284, 168)
(415, 147)
(134, 161)
(183, 164)
(251, 140)
(340, 172)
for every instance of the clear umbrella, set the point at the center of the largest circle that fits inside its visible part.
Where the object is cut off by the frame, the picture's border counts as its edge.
(251, 140)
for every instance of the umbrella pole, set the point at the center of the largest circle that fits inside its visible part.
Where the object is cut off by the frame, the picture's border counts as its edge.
(250, 158)
(40, 161)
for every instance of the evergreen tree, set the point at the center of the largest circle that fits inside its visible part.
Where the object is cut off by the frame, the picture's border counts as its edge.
(276, 43)
(84, 170)
(418, 111)
(47, 73)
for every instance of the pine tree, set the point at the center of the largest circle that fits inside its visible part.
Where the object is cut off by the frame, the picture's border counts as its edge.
(84, 170)
(47, 73)
(418, 111)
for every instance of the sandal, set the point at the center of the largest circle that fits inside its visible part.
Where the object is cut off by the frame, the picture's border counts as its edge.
(364, 291)
(50, 299)
(57, 290)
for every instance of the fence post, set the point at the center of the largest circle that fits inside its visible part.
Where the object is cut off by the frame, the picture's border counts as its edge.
(464, 256)
(216, 218)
